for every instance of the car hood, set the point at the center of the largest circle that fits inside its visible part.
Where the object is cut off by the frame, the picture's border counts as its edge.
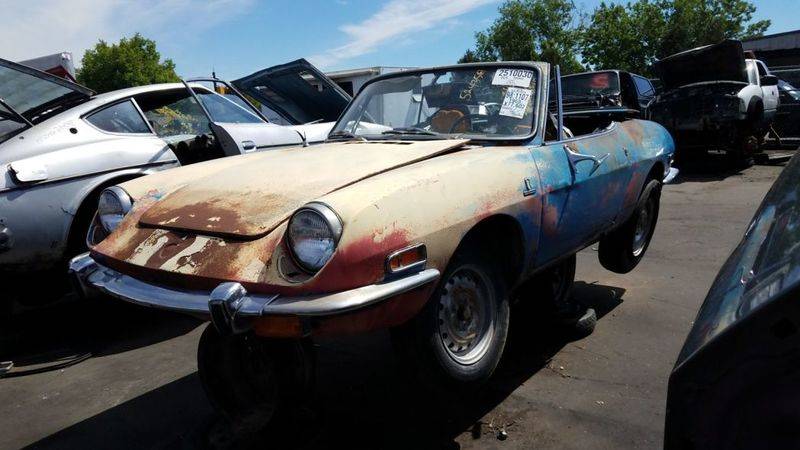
(718, 62)
(298, 91)
(248, 196)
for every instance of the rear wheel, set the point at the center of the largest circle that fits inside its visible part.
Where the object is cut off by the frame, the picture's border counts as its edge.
(621, 250)
(248, 379)
(457, 340)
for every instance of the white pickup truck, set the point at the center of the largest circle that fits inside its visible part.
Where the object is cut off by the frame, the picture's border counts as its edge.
(715, 98)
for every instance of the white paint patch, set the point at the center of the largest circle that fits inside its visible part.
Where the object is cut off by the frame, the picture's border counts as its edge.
(167, 222)
(199, 244)
(149, 247)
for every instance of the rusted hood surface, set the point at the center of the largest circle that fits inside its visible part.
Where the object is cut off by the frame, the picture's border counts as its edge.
(253, 196)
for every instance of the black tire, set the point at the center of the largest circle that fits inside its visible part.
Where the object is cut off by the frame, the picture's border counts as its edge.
(248, 379)
(621, 250)
(435, 344)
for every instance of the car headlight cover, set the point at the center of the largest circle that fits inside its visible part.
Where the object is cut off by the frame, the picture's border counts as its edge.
(113, 205)
(314, 232)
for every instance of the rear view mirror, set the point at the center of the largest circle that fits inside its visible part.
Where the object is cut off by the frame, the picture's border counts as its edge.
(769, 80)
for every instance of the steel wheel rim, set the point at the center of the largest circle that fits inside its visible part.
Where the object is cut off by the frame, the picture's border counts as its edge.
(643, 224)
(467, 316)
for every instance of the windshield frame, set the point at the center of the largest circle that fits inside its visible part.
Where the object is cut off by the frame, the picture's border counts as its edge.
(536, 117)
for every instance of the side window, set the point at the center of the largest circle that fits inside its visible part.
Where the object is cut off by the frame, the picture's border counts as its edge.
(644, 86)
(762, 70)
(224, 110)
(119, 118)
(173, 113)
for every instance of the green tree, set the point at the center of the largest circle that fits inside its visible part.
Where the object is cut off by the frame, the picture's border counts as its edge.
(633, 36)
(132, 62)
(539, 30)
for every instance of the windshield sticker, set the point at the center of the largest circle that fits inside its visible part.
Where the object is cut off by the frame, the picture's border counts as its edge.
(513, 77)
(516, 102)
(466, 93)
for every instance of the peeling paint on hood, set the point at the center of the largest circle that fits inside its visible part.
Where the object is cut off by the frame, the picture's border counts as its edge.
(251, 197)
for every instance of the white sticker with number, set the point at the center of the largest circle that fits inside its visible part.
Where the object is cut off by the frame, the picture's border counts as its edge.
(513, 77)
(516, 102)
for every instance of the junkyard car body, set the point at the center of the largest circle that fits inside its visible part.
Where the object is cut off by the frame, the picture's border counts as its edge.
(212, 238)
(713, 96)
(787, 119)
(734, 384)
(69, 144)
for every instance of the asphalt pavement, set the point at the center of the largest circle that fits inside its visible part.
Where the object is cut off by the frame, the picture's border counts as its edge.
(110, 375)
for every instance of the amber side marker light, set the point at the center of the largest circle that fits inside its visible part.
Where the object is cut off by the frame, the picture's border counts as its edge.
(407, 259)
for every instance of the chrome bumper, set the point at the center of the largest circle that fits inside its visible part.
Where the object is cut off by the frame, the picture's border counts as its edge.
(229, 305)
(670, 176)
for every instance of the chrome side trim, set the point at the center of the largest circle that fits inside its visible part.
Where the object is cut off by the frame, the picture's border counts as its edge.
(236, 302)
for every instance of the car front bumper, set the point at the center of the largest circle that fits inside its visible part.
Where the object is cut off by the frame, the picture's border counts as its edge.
(229, 306)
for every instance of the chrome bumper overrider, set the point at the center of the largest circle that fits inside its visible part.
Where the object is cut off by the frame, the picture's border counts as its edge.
(229, 305)
(670, 176)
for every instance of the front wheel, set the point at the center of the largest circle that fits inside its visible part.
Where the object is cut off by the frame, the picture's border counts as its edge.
(457, 340)
(621, 250)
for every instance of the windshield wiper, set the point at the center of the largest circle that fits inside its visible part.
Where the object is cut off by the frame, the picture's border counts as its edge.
(410, 131)
(342, 134)
(14, 111)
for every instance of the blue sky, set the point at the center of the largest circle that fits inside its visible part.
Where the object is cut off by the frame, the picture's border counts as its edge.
(236, 37)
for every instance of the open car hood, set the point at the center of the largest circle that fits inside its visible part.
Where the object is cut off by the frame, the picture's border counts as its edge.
(247, 197)
(298, 91)
(33, 93)
(718, 62)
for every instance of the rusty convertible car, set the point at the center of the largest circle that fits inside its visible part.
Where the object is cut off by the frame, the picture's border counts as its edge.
(426, 216)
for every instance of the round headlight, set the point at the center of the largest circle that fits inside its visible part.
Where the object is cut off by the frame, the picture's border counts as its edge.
(314, 232)
(113, 205)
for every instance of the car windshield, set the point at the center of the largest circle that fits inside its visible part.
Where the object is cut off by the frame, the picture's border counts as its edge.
(589, 85)
(474, 102)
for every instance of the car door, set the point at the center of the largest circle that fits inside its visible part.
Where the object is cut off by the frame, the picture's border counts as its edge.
(645, 90)
(584, 180)
(770, 93)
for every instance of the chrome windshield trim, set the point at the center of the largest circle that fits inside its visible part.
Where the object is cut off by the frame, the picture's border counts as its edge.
(91, 275)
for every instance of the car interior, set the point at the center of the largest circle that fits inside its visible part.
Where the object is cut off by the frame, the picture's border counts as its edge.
(177, 118)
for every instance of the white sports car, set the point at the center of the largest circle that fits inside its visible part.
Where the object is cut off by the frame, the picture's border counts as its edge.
(61, 145)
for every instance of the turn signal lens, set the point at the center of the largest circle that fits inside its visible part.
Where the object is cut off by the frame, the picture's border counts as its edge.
(407, 259)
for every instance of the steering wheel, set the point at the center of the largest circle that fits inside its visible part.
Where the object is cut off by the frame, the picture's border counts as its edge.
(464, 118)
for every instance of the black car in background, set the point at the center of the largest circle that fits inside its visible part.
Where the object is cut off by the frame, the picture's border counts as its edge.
(615, 92)
(736, 383)
(787, 119)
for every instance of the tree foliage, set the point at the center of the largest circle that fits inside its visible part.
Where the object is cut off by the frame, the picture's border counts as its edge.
(540, 30)
(633, 36)
(614, 36)
(132, 62)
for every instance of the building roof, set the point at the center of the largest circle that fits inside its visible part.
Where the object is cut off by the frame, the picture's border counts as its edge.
(59, 64)
(788, 40)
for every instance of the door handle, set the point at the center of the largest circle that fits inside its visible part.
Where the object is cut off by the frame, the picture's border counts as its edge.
(574, 158)
(248, 146)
